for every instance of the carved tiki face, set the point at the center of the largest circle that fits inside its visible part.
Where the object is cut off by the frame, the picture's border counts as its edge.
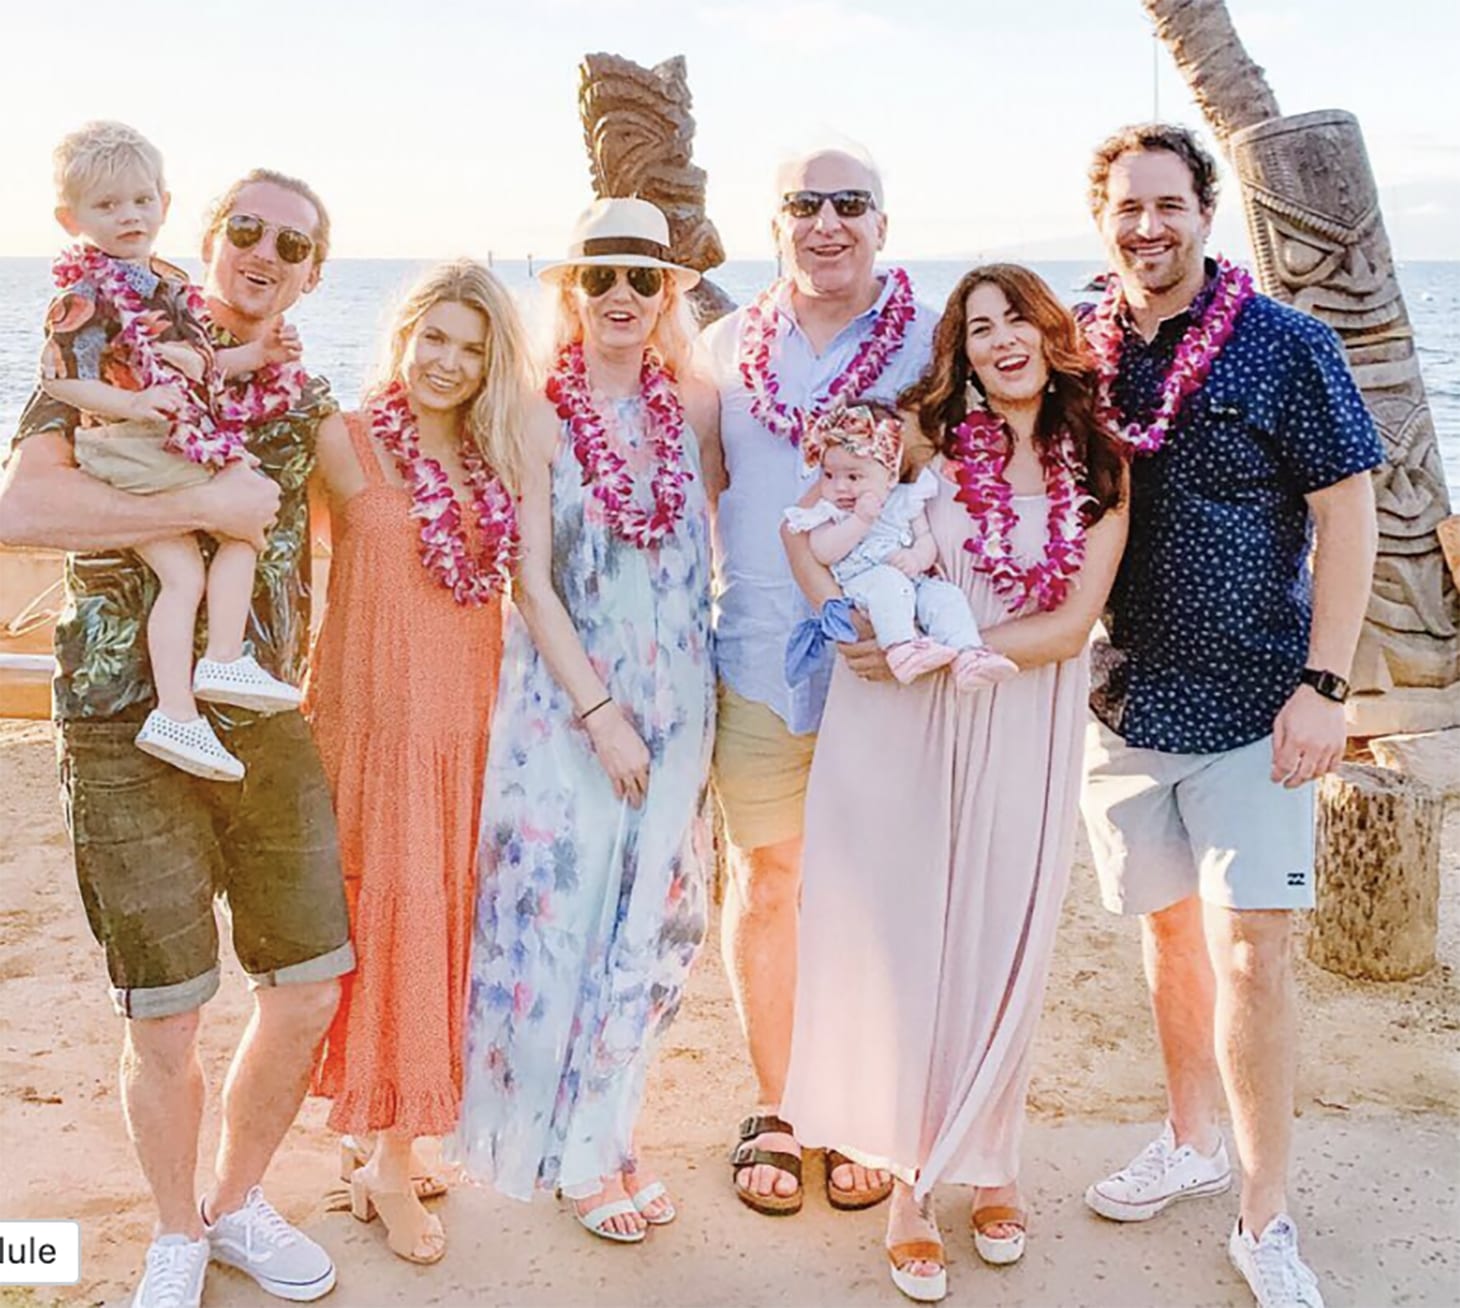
(1313, 214)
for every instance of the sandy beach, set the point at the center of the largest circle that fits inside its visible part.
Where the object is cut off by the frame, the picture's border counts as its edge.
(1376, 1182)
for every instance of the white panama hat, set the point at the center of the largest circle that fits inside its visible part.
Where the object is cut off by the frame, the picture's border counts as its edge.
(621, 233)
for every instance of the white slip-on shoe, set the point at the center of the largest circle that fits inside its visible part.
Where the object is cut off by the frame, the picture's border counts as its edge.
(281, 1258)
(243, 684)
(191, 746)
(1157, 1177)
(173, 1276)
(1276, 1275)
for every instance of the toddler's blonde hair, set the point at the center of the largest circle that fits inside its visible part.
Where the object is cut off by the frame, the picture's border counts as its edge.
(96, 152)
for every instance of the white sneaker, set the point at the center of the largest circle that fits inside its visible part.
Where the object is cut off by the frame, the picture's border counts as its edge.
(1271, 1267)
(1157, 1177)
(191, 746)
(242, 683)
(173, 1277)
(282, 1259)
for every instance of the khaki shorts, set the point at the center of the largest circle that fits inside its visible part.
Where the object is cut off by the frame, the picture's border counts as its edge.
(132, 457)
(760, 773)
(1164, 827)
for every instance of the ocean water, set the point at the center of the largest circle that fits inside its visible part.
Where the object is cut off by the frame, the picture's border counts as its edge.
(343, 322)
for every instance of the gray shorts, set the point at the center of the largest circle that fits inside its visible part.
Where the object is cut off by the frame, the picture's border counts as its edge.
(1164, 827)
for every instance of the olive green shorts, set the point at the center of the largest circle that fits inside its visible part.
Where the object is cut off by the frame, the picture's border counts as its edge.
(154, 846)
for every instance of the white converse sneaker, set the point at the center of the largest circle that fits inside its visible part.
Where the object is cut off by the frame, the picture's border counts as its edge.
(282, 1259)
(191, 746)
(1277, 1277)
(1157, 1177)
(242, 683)
(173, 1277)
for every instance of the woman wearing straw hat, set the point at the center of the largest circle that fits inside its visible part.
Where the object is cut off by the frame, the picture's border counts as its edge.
(591, 905)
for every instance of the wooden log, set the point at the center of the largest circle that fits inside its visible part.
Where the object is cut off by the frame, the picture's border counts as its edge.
(1449, 533)
(1432, 758)
(1378, 875)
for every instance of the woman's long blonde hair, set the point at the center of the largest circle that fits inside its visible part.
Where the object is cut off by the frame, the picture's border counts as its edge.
(497, 415)
(673, 335)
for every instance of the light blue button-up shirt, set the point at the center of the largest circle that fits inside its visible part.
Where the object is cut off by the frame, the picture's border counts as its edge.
(757, 600)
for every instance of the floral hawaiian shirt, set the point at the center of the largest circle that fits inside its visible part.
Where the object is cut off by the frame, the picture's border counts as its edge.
(103, 669)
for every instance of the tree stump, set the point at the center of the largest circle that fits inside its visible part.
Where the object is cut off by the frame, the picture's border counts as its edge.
(1378, 874)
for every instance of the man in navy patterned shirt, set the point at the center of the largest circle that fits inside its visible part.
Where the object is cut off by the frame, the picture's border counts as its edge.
(1219, 690)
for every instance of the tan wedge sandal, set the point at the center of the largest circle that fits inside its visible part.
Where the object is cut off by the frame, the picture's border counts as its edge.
(999, 1251)
(920, 1289)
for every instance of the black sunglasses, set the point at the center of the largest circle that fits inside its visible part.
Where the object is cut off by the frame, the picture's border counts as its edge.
(598, 279)
(807, 204)
(244, 231)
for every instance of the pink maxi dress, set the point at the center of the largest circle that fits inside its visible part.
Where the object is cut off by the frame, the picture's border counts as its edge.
(939, 836)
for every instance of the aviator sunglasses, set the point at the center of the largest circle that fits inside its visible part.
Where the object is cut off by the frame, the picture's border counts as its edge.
(807, 204)
(598, 279)
(245, 231)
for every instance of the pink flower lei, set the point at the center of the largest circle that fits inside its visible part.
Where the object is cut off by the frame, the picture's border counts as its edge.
(982, 444)
(1195, 354)
(758, 336)
(444, 552)
(604, 468)
(197, 432)
(259, 397)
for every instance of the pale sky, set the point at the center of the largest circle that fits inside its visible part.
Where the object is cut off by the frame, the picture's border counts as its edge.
(439, 127)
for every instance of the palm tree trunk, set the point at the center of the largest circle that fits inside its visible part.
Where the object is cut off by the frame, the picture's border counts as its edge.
(1232, 91)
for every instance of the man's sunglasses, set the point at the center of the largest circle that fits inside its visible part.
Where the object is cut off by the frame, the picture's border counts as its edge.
(598, 279)
(807, 204)
(245, 231)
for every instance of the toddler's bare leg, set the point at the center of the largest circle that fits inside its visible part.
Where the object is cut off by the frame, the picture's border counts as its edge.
(230, 593)
(178, 564)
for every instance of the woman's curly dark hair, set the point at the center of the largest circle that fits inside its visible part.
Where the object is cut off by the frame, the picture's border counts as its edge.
(938, 398)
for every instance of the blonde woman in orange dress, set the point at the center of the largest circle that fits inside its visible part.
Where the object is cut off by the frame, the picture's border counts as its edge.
(421, 486)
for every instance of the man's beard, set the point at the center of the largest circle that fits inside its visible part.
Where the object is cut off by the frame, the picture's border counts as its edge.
(1157, 278)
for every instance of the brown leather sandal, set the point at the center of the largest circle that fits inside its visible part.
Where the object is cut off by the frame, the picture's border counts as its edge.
(745, 1154)
(850, 1201)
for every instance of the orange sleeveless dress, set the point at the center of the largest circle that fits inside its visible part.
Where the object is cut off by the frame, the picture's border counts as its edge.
(400, 693)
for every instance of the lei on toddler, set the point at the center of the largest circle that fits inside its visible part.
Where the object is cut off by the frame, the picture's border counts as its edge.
(207, 438)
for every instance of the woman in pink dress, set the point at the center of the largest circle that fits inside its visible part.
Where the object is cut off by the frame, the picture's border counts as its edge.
(939, 826)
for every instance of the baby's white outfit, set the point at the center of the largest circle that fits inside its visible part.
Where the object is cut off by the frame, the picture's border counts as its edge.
(895, 604)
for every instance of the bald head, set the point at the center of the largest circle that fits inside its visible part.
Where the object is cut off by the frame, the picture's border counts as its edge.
(829, 253)
(829, 170)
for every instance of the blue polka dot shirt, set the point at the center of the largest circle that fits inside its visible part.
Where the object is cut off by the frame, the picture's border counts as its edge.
(1209, 615)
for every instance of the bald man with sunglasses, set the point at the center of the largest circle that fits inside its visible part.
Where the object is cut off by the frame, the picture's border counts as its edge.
(153, 844)
(834, 329)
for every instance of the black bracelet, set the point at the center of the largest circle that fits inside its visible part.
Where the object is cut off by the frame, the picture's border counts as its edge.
(584, 716)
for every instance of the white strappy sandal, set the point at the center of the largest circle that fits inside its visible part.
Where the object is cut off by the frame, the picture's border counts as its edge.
(646, 1196)
(593, 1220)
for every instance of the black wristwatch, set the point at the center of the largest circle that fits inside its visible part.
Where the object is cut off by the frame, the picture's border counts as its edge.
(1328, 684)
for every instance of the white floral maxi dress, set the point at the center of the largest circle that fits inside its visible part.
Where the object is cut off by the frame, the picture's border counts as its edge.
(589, 912)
